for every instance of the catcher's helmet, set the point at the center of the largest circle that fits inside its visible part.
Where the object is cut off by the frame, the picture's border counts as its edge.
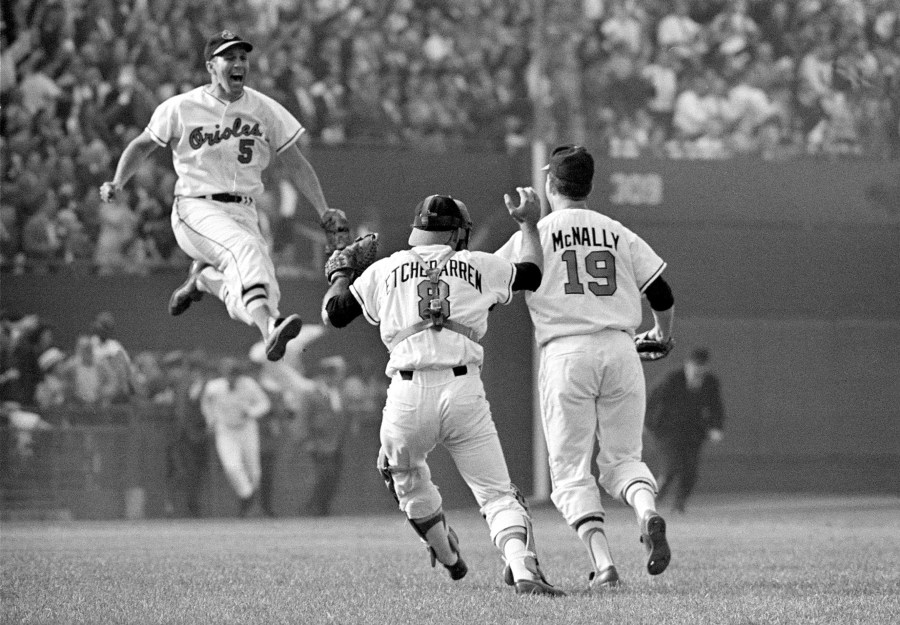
(442, 213)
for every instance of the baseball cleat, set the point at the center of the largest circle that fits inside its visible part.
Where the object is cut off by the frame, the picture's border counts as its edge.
(285, 330)
(188, 292)
(607, 579)
(653, 536)
(458, 569)
(538, 585)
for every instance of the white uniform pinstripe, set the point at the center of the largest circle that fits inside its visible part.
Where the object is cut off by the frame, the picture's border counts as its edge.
(592, 384)
(223, 147)
(438, 406)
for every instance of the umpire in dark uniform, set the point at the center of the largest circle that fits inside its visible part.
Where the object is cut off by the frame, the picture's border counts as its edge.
(683, 411)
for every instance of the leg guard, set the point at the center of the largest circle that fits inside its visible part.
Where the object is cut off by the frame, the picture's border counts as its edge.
(385, 470)
(458, 569)
(515, 523)
(421, 526)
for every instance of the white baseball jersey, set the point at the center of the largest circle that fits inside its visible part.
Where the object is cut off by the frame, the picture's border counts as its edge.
(232, 413)
(235, 408)
(220, 146)
(395, 293)
(595, 271)
(435, 404)
(591, 384)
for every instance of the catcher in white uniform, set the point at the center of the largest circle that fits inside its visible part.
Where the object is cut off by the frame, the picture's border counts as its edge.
(232, 405)
(592, 384)
(223, 136)
(431, 303)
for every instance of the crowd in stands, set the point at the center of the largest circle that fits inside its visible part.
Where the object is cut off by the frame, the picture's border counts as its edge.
(49, 390)
(705, 79)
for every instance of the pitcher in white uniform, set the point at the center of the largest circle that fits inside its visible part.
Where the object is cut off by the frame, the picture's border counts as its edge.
(592, 385)
(431, 304)
(223, 135)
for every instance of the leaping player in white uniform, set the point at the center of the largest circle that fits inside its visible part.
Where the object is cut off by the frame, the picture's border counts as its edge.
(592, 385)
(223, 135)
(431, 303)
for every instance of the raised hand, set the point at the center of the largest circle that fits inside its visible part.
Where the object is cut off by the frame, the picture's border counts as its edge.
(528, 209)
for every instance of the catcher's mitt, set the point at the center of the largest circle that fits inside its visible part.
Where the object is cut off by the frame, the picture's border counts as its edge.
(337, 230)
(652, 349)
(353, 259)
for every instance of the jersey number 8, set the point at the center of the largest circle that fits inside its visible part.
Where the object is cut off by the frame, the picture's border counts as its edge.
(433, 299)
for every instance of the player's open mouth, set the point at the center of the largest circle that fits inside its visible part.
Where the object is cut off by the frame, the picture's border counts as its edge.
(237, 79)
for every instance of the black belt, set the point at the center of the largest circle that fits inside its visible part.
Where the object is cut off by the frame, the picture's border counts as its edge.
(226, 197)
(457, 371)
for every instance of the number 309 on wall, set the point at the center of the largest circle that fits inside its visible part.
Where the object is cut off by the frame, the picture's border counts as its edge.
(634, 189)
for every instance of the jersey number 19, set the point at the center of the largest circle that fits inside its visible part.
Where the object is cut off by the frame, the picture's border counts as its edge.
(600, 264)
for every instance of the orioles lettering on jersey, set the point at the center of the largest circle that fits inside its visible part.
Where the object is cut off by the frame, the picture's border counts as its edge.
(238, 129)
(585, 236)
(414, 270)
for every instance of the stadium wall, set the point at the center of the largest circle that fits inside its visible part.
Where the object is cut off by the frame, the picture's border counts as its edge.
(786, 271)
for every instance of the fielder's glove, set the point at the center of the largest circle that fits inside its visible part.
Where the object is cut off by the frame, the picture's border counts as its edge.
(353, 259)
(652, 348)
(337, 230)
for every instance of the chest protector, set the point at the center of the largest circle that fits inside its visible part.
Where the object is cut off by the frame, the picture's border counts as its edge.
(436, 319)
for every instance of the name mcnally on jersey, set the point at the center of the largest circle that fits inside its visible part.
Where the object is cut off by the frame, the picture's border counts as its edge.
(237, 129)
(415, 270)
(585, 236)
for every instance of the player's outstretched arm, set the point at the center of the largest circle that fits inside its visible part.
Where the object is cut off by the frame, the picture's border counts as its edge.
(339, 307)
(304, 177)
(527, 213)
(134, 154)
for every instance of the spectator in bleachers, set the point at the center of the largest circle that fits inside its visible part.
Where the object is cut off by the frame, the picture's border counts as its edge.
(628, 139)
(624, 26)
(187, 452)
(118, 233)
(7, 372)
(329, 427)
(150, 380)
(30, 338)
(90, 379)
(109, 352)
(814, 84)
(40, 236)
(662, 75)
(681, 34)
(690, 114)
(52, 391)
(10, 237)
(748, 108)
(836, 133)
(732, 34)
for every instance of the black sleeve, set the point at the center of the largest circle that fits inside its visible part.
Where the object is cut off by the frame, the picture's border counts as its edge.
(659, 294)
(342, 309)
(528, 277)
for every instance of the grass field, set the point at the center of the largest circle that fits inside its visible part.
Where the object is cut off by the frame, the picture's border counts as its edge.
(752, 560)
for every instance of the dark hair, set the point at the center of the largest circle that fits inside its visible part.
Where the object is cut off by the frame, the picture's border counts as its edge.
(571, 190)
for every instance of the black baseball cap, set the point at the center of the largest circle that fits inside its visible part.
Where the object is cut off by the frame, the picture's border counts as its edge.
(441, 213)
(571, 163)
(438, 213)
(223, 40)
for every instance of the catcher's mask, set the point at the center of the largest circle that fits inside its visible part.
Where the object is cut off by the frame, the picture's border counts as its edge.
(440, 213)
